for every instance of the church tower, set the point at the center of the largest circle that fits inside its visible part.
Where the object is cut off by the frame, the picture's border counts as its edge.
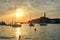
(44, 14)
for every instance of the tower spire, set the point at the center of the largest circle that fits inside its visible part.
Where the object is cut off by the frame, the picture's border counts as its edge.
(44, 14)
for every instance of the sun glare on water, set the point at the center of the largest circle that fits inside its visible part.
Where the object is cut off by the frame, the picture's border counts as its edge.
(18, 31)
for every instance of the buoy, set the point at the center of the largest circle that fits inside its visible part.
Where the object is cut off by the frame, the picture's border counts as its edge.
(35, 29)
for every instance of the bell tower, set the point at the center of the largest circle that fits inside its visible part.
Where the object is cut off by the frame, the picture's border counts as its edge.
(44, 14)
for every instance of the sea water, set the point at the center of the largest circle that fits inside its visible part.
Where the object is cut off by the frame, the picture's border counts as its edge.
(26, 32)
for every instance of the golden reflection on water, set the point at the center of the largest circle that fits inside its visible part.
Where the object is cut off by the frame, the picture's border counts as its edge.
(18, 32)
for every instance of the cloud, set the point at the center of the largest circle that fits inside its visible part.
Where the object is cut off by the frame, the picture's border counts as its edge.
(36, 6)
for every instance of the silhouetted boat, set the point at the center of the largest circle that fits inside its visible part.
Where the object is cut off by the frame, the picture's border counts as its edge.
(2, 23)
(31, 24)
(43, 24)
(16, 25)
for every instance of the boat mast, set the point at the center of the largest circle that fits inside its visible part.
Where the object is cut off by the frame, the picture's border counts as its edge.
(30, 16)
(14, 17)
(15, 13)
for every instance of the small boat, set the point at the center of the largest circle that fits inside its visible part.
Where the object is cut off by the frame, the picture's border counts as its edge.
(31, 24)
(43, 24)
(16, 25)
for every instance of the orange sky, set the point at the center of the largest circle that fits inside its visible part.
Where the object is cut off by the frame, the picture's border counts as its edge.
(35, 7)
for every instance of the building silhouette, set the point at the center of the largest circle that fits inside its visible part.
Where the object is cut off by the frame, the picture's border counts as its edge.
(45, 19)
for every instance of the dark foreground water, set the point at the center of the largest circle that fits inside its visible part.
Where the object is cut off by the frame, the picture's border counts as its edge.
(49, 32)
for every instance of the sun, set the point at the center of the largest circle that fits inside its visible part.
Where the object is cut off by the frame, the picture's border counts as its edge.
(19, 13)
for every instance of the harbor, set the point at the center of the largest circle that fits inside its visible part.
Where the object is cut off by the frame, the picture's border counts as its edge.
(29, 19)
(26, 32)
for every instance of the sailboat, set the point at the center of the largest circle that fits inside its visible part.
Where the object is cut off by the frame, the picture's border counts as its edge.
(15, 24)
(30, 23)
(43, 24)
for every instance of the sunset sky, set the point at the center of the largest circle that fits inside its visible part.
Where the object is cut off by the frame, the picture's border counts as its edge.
(35, 7)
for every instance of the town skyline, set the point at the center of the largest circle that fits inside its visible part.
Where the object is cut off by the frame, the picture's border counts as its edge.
(35, 7)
